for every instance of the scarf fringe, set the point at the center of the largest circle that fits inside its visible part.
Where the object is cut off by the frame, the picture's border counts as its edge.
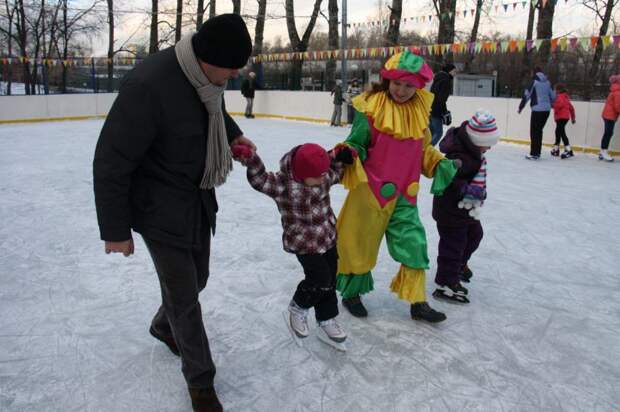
(218, 158)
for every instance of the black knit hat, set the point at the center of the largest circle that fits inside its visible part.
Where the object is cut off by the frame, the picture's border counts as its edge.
(448, 68)
(223, 41)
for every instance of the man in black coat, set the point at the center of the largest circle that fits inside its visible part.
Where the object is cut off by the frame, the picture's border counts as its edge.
(441, 88)
(157, 161)
(247, 90)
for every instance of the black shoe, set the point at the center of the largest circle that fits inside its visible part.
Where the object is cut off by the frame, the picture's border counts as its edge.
(251, 116)
(466, 274)
(422, 311)
(555, 151)
(532, 157)
(452, 293)
(567, 154)
(168, 340)
(205, 400)
(355, 307)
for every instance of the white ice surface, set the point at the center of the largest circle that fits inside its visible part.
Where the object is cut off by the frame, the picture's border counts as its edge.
(542, 332)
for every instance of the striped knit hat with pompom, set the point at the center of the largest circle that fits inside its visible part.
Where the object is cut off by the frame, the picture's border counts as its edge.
(482, 129)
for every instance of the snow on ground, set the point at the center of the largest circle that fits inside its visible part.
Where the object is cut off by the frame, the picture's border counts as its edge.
(542, 332)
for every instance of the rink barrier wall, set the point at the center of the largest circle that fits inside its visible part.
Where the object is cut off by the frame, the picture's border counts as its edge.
(316, 107)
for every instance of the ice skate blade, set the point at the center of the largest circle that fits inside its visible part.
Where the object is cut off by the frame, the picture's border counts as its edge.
(456, 299)
(339, 346)
(298, 341)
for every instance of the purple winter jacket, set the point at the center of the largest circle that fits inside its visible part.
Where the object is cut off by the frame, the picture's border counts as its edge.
(457, 145)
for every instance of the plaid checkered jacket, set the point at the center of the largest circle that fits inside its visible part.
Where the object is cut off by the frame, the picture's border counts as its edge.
(307, 218)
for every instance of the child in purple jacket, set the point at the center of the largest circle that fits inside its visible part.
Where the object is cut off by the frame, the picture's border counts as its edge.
(457, 212)
(301, 192)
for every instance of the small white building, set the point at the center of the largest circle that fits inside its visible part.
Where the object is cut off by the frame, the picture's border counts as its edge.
(475, 85)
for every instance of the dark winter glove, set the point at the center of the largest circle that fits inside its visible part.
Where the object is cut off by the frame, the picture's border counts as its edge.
(473, 197)
(344, 154)
(474, 192)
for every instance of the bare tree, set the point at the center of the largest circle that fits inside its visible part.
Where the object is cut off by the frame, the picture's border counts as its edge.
(200, 12)
(154, 37)
(474, 35)
(110, 45)
(603, 10)
(544, 30)
(21, 30)
(527, 54)
(10, 14)
(446, 11)
(38, 31)
(212, 8)
(297, 44)
(179, 21)
(66, 28)
(260, 27)
(236, 6)
(393, 33)
(333, 41)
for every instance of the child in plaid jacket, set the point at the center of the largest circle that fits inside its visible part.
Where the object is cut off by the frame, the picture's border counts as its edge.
(301, 192)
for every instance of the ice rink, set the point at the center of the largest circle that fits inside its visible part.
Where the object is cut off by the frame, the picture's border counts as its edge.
(542, 332)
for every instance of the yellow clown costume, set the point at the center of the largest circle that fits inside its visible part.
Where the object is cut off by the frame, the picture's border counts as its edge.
(394, 150)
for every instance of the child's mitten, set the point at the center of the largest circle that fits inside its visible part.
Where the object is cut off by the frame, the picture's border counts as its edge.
(241, 152)
(474, 192)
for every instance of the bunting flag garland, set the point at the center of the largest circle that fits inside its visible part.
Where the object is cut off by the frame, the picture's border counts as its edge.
(504, 7)
(71, 61)
(487, 47)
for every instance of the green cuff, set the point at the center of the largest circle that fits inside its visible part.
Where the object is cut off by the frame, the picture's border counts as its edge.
(445, 172)
(351, 285)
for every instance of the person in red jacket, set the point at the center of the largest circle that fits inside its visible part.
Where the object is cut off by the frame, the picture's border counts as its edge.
(563, 111)
(610, 116)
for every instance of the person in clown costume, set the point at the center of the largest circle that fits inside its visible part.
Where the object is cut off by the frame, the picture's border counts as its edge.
(390, 134)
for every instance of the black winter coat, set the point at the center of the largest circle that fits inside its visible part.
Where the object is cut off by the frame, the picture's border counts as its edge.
(248, 87)
(441, 88)
(150, 158)
(457, 145)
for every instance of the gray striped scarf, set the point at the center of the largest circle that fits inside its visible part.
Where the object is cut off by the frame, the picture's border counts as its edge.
(218, 162)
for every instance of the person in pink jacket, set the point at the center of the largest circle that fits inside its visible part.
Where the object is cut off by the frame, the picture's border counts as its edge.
(610, 116)
(563, 111)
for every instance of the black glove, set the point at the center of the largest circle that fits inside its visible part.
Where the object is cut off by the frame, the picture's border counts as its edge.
(344, 155)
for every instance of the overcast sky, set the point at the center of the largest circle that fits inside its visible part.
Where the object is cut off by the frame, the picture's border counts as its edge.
(571, 18)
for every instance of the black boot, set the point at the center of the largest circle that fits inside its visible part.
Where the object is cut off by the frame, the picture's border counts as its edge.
(466, 274)
(422, 311)
(355, 307)
(168, 340)
(455, 293)
(567, 154)
(205, 400)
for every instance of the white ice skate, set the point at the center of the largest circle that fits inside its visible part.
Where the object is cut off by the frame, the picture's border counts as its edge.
(296, 319)
(604, 155)
(330, 332)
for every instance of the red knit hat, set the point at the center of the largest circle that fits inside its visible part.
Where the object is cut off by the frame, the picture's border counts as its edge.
(310, 160)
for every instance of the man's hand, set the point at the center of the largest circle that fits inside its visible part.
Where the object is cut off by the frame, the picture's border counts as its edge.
(244, 141)
(125, 247)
